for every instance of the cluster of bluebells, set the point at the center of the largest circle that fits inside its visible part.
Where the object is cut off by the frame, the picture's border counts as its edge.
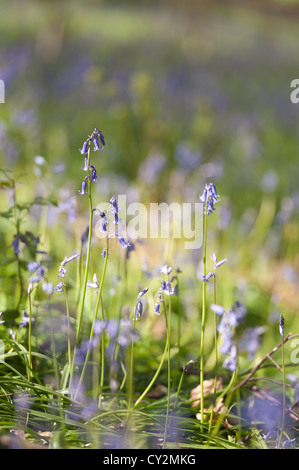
(226, 329)
(209, 197)
(167, 286)
(97, 139)
(28, 239)
(103, 223)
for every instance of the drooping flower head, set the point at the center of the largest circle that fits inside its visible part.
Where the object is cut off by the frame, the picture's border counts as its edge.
(97, 139)
(209, 197)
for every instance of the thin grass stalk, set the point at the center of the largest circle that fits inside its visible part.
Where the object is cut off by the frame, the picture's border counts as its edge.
(159, 367)
(203, 318)
(88, 252)
(169, 369)
(283, 391)
(69, 349)
(216, 358)
(130, 392)
(95, 316)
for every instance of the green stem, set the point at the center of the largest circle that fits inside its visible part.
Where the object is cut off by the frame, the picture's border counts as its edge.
(30, 289)
(130, 398)
(68, 332)
(284, 393)
(159, 367)
(169, 370)
(216, 358)
(95, 315)
(203, 318)
(88, 253)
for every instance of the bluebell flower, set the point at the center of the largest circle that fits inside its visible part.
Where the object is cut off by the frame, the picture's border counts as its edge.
(98, 140)
(144, 291)
(85, 164)
(83, 189)
(59, 287)
(32, 266)
(84, 149)
(104, 252)
(281, 325)
(68, 260)
(94, 283)
(230, 362)
(103, 222)
(25, 320)
(157, 308)
(138, 310)
(209, 197)
(123, 243)
(207, 277)
(93, 177)
(218, 309)
(166, 269)
(1, 321)
(15, 245)
(217, 264)
(48, 288)
(62, 270)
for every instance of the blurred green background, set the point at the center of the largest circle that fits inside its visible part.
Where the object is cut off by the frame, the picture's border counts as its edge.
(184, 93)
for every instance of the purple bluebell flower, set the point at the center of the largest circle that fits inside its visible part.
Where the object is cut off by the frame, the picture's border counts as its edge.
(32, 266)
(25, 320)
(94, 283)
(68, 260)
(62, 270)
(1, 321)
(103, 222)
(138, 310)
(230, 362)
(48, 288)
(281, 325)
(104, 252)
(83, 189)
(59, 287)
(84, 149)
(217, 264)
(123, 243)
(207, 277)
(157, 308)
(209, 197)
(166, 269)
(15, 245)
(93, 177)
(85, 168)
(98, 140)
(218, 309)
(144, 291)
